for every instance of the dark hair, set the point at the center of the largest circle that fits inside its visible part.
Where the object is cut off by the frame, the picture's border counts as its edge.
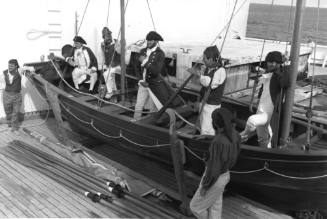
(14, 62)
(213, 52)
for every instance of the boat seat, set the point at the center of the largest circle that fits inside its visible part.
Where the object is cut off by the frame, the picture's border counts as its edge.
(185, 111)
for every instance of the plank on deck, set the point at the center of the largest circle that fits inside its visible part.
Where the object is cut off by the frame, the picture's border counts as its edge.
(27, 193)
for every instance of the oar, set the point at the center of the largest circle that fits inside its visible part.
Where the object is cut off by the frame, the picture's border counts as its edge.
(172, 98)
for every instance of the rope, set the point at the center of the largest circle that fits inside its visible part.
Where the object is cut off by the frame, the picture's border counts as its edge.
(96, 97)
(154, 27)
(109, 136)
(279, 174)
(309, 111)
(108, 13)
(87, 4)
(35, 34)
(220, 32)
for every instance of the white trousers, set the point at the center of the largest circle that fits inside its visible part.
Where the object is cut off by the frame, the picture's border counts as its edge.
(79, 75)
(209, 206)
(261, 122)
(143, 100)
(206, 120)
(109, 78)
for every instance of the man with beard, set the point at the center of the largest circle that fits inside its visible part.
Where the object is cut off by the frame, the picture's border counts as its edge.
(274, 79)
(153, 90)
(12, 97)
(109, 61)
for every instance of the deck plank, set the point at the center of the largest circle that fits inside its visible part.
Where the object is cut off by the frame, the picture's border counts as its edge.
(25, 192)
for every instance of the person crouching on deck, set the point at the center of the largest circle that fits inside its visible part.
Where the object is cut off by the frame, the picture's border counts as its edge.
(85, 64)
(222, 155)
(213, 83)
(273, 80)
(12, 97)
(151, 91)
(109, 61)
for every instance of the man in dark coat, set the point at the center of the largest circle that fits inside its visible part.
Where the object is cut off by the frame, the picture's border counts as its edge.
(274, 79)
(153, 90)
(222, 155)
(85, 64)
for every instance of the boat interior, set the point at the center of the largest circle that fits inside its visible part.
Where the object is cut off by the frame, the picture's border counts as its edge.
(122, 104)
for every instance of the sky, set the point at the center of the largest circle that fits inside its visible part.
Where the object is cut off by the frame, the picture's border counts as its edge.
(309, 3)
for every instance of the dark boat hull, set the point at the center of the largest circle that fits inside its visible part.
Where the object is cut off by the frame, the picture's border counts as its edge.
(266, 173)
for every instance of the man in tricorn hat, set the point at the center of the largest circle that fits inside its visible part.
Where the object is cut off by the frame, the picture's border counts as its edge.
(274, 79)
(85, 64)
(12, 97)
(221, 156)
(152, 88)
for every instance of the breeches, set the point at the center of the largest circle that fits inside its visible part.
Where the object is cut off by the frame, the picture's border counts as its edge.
(261, 122)
(143, 98)
(206, 120)
(109, 78)
(12, 104)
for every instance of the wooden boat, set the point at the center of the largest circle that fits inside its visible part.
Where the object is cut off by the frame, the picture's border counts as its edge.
(293, 177)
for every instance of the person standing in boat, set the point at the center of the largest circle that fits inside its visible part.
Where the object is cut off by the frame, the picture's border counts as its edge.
(221, 157)
(12, 97)
(213, 82)
(274, 79)
(109, 61)
(85, 64)
(152, 89)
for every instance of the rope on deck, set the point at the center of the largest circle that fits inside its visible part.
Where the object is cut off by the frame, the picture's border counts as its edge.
(78, 180)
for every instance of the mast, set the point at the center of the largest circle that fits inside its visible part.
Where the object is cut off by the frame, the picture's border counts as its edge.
(122, 49)
(295, 50)
(76, 23)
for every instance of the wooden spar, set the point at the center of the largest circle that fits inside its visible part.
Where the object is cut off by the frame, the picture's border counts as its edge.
(178, 156)
(54, 103)
(295, 50)
(122, 49)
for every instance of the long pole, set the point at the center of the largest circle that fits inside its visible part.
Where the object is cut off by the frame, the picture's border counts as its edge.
(122, 49)
(295, 50)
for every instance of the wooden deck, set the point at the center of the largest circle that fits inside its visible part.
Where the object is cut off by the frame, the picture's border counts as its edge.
(25, 192)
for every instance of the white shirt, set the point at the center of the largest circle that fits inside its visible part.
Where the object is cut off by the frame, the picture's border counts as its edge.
(218, 78)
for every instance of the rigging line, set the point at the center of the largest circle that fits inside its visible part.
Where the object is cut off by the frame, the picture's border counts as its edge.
(108, 13)
(309, 111)
(116, 45)
(87, 4)
(204, 100)
(289, 27)
(221, 31)
(154, 27)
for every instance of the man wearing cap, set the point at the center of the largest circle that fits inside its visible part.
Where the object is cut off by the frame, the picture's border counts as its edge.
(12, 97)
(273, 80)
(152, 88)
(109, 61)
(213, 83)
(85, 64)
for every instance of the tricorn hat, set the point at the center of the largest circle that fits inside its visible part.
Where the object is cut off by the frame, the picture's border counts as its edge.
(274, 56)
(78, 39)
(152, 35)
(14, 62)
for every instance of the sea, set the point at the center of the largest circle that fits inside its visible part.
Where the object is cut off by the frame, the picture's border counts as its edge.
(276, 23)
